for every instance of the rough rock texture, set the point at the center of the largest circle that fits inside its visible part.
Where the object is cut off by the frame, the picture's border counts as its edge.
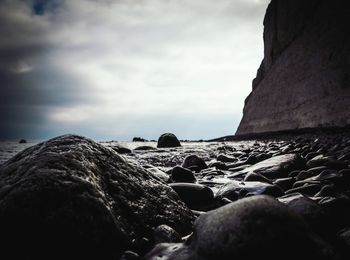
(252, 228)
(168, 140)
(304, 78)
(76, 199)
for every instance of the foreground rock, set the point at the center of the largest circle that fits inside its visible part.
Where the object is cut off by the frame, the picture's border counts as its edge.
(77, 199)
(253, 228)
(168, 140)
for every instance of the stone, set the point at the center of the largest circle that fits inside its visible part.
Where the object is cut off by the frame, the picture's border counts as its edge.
(285, 183)
(303, 80)
(168, 140)
(180, 174)
(258, 227)
(120, 149)
(195, 196)
(165, 234)
(238, 189)
(226, 158)
(307, 189)
(145, 148)
(194, 160)
(22, 141)
(327, 161)
(252, 176)
(275, 167)
(74, 197)
(139, 139)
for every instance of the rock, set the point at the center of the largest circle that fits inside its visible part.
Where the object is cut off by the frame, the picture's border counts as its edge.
(312, 213)
(303, 79)
(196, 196)
(307, 189)
(225, 158)
(180, 174)
(158, 173)
(194, 160)
(252, 176)
(22, 141)
(275, 167)
(120, 149)
(327, 161)
(285, 183)
(238, 189)
(77, 198)
(129, 255)
(168, 140)
(145, 148)
(165, 234)
(338, 209)
(253, 228)
(138, 139)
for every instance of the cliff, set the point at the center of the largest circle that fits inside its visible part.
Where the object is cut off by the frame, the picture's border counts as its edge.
(304, 78)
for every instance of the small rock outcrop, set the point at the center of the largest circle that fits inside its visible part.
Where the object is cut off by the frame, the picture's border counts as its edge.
(168, 140)
(304, 78)
(77, 199)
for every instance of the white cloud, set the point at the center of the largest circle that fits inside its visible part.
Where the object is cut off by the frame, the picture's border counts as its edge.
(150, 59)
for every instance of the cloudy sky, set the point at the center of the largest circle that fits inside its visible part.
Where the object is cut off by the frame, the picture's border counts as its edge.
(115, 69)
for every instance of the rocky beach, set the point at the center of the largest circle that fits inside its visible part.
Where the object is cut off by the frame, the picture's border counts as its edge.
(277, 189)
(200, 200)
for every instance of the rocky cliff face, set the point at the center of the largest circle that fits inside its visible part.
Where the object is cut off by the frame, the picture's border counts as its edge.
(304, 78)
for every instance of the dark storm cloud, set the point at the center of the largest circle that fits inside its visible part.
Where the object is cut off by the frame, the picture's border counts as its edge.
(89, 66)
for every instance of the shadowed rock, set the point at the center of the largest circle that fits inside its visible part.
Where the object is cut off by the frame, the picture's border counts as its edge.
(74, 198)
(259, 227)
(168, 140)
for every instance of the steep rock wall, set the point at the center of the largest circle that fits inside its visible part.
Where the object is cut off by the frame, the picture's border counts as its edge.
(304, 78)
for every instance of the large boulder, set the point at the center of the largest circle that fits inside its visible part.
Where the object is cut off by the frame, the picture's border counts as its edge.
(168, 140)
(304, 78)
(258, 227)
(77, 199)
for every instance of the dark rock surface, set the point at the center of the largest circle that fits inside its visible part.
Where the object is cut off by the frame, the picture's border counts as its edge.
(76, 199)
(304, 78)
(253, 228)
(168, 140)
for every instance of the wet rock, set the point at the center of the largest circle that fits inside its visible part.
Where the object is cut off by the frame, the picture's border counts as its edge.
(307, 189)
(77, 198)
(165, 234)
(285, 183)
(145, 148)
(253, 228)
(238, 189)
(121, 149)
(130, 255)
(277, 166)
(196, 196)
(312, 213)
(22, 141)
(252, 176)
(327, 161)
(180, 174)
(158, 173)
(168, 140)
(194, 160)
(225, 158)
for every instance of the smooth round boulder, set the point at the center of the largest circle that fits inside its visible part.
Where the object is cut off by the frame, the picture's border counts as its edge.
(194, 161)
(71, 196)
(180, 174)
(195, 196)
(258, 227)
(168, 140)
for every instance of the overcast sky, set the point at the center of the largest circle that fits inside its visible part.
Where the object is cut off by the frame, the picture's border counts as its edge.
(115, 69)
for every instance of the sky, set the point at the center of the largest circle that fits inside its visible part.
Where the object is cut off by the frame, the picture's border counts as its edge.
(115, 69)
